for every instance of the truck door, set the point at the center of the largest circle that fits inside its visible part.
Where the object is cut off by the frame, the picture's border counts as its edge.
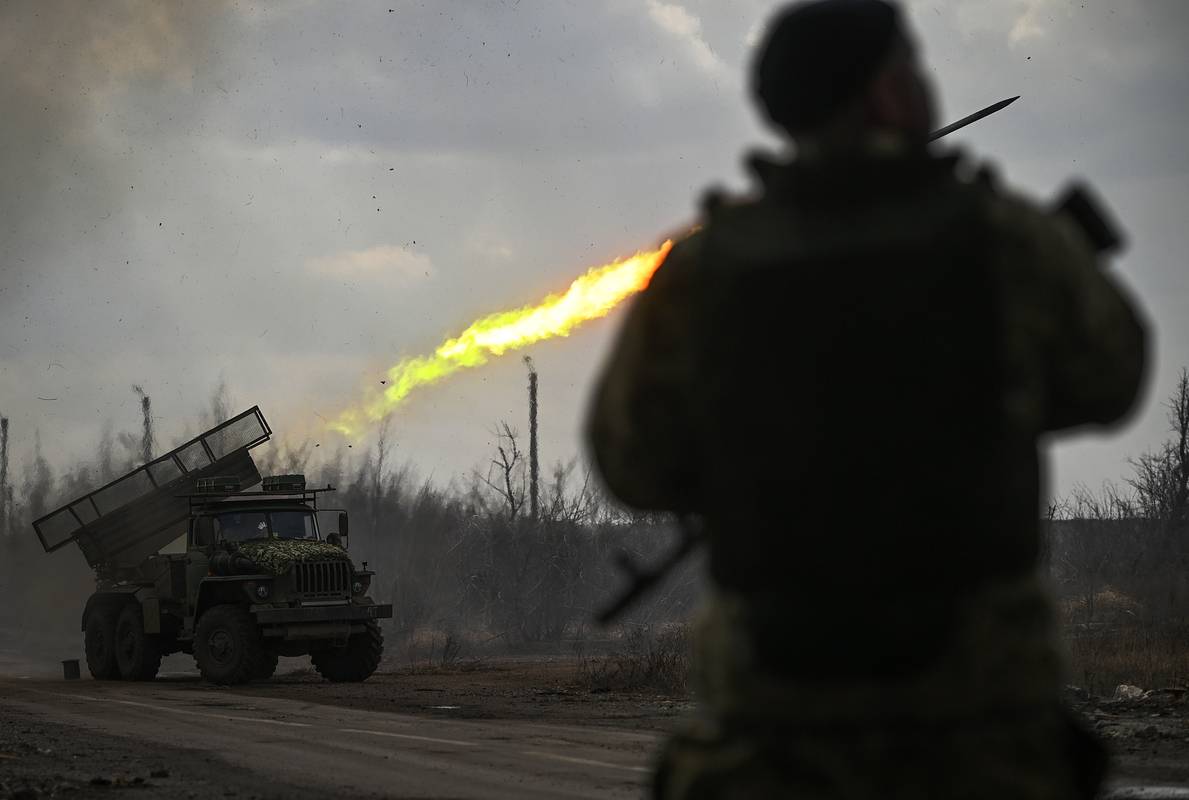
(198, 556)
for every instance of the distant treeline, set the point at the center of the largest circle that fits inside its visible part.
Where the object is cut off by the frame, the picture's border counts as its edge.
(1120, 556)
(469, 558)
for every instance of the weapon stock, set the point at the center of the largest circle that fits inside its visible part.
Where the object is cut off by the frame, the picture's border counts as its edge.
(1083, 207)
(643, 579)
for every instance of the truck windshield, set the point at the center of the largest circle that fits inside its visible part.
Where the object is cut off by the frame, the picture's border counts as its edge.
(241, 526)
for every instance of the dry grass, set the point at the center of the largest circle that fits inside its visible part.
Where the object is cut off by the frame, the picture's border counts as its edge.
(1108, 604)
(1108, 642)
(648, 658)
(1099, 661)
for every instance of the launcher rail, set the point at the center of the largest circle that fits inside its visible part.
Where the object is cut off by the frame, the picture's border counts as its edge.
(130, 518)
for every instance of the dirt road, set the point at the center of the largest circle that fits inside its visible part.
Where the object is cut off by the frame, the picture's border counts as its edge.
(513, 728)
(346, 751)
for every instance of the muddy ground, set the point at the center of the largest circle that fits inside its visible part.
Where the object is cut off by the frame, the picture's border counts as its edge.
(1148, 737)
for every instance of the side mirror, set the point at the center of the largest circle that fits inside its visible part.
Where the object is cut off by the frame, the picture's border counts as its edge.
(339, 538)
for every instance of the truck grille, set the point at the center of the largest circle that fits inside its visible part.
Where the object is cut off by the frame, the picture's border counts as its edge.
(323, 578)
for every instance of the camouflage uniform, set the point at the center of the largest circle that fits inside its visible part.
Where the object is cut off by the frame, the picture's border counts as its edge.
(846, 378)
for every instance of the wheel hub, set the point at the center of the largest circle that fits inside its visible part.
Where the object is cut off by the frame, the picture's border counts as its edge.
(127, 641)
(221, 646)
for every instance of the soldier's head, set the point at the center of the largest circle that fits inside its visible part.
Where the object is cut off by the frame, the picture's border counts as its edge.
(833, 72)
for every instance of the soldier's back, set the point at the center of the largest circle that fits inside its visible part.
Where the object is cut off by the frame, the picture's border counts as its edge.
(852, 440)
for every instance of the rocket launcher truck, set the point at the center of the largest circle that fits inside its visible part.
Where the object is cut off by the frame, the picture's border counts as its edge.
(186, 559)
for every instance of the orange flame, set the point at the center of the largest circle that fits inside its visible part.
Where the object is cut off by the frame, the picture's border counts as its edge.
(589, 297)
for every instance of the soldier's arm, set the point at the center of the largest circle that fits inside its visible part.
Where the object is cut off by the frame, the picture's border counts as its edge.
(639, 426)
(1095, 355)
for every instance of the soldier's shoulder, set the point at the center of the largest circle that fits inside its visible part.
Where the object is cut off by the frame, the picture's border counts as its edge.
(1032, 235)
(681, 264)
(721, 219)
(1011, 213)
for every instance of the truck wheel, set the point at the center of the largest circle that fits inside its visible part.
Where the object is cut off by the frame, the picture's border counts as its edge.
(227, 645)
(137, 653)
(354, 662)
(267, 666)
(99, 642)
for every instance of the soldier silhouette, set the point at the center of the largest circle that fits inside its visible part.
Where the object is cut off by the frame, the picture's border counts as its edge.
(845, 377)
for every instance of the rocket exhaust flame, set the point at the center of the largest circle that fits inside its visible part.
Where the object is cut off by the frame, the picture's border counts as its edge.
(589, 297)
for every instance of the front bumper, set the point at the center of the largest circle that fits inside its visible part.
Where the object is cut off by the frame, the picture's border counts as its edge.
(268, 615)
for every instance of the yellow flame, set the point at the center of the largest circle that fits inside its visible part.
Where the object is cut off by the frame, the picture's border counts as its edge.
(591, 296)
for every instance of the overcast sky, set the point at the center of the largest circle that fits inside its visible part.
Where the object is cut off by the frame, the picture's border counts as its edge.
(288, 197)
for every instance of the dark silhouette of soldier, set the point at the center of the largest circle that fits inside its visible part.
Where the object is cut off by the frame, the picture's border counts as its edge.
(845, 377)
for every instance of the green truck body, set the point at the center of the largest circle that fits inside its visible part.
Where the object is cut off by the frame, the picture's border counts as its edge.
(188, 561)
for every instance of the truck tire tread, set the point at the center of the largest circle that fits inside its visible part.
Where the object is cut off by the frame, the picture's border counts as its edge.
(99, 643)
(138, 654)
(356, 661)
(227, 645)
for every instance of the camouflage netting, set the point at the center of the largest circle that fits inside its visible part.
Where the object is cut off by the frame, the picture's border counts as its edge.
(277, 556)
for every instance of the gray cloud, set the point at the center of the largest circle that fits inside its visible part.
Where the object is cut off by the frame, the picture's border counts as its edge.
(176, 177)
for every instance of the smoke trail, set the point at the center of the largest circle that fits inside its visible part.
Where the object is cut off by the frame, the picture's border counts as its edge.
(589, 297)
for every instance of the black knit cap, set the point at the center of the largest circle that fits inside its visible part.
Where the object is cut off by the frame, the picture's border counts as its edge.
(817, 56)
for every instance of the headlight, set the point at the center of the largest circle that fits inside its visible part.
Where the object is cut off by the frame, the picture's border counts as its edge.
(262, 591)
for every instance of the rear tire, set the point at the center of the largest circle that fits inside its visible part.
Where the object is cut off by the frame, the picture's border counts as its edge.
(138, 654)
(356, 661)
(227, 645)
(99, 643)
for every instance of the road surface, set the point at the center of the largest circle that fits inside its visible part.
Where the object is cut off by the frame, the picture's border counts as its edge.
(339, 751)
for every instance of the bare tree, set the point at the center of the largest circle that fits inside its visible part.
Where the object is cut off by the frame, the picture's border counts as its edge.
(39, 481)
(1161, 480)
(382, 446)
(146, 439)
(505, 476)
(1138, 540)
(585, 505)
(534, 472)
(5, 494)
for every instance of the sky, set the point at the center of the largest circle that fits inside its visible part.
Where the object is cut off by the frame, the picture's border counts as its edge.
(287, 198)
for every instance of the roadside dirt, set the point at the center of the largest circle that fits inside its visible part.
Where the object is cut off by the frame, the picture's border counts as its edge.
(39, 759)
(547, 689)
(1148, 738)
